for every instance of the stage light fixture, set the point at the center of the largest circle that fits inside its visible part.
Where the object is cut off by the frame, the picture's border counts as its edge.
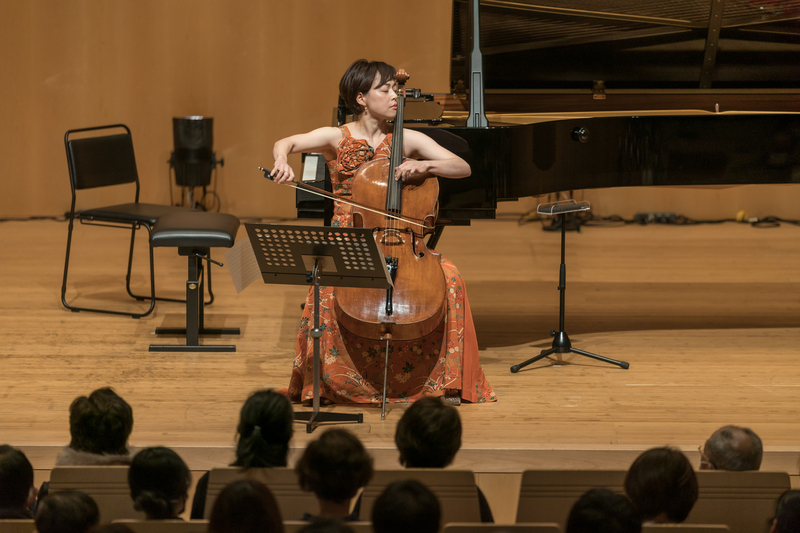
(194, 158)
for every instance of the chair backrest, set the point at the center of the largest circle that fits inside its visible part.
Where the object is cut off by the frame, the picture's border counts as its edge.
(456, 527)
(548, 495)
(101, 160)
(13, 525)
(293, 526)
(108, 485)
(745, 501)
(686, 528)
(282, 482)
(166, 526)
(455, 489)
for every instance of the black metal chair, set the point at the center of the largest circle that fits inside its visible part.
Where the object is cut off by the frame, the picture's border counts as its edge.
(102, 161)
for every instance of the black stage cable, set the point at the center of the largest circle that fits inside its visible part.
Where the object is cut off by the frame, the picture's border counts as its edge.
(590, 220)
(32, 218)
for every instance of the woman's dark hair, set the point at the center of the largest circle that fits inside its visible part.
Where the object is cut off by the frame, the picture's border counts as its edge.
(100, 423)
(602, 511)
(428, 434)
(158, 479)
(661, 481)
(68, 511)
(245, 506)
(334, 466)
(406, 506)
(265, 428)
(16, 478)
(360, 78)
(787, 512)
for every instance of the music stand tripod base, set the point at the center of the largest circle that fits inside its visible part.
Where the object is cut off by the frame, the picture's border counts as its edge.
(561, 343)
(321, 256)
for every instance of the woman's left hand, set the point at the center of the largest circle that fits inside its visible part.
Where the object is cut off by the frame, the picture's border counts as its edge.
(412, 170)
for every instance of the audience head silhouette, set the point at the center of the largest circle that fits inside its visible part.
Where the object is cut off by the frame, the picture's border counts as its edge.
(662, 485)
(159, 481)
(113, 527)
(68, 511)
(100, 423)
(325, 525)
(334, 467)
(17, 493)
(787, 513)
(265, 429)
(428, 434)
(602, 511)
(732, 448)
(406, 506)
(245, 506)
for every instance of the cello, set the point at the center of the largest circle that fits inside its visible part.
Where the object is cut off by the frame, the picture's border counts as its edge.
(416, 305)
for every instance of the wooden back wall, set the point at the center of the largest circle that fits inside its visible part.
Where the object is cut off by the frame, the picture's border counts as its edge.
(263, 69)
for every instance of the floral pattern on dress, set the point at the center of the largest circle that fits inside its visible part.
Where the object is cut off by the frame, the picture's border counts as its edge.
(352, 367)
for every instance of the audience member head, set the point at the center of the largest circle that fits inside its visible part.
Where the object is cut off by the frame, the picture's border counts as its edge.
(787, 513)
(265, 428)
(662, 485)
(100, 423)
(428, 434)
(68, 511)
(325, 525)
(602, 511)
(159, 481)
(334, 467)
(114, 527)
(245, 506)
(17, 493)
(406, 506)
(732, 448)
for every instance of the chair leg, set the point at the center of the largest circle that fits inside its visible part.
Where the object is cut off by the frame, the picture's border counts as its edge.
(152, 296)
(194, 318)
(75, 309)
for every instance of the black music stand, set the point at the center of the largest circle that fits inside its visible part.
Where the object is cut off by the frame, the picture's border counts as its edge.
(561, 342)
(334, 257)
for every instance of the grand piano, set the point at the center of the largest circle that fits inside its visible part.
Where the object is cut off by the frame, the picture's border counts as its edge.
(561, 95)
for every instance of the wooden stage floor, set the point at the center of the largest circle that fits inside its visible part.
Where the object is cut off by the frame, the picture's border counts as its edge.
(707, 316)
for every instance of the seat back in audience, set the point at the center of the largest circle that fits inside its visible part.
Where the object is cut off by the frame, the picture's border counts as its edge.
(456, 490)
(463, 527)
(685, 528)
(293, 501)
(9, 525)
(108, 485)
(548, 495)
(293, 526)
(166, 526)
(745, 501)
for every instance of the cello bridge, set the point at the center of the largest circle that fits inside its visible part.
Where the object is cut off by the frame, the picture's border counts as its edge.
(392, 237)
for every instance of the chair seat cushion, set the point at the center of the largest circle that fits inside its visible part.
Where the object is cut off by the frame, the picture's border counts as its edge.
(130, 213)
(195, 229)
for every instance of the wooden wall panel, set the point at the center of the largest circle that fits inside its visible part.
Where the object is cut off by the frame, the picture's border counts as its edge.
(261, 69)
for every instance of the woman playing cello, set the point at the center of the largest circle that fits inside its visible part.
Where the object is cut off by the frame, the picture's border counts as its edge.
(443, 363)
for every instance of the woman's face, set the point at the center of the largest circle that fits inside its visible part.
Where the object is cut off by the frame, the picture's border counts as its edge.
(381, 100)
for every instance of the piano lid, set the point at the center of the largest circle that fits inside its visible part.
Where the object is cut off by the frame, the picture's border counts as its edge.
(631, 44)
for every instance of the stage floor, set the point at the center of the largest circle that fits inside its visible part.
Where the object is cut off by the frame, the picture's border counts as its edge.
(707, 317)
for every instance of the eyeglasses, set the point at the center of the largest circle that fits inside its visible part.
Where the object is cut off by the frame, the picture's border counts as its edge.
(705, 464)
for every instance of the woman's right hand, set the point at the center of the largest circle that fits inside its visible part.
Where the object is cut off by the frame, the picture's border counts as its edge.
(281, 171)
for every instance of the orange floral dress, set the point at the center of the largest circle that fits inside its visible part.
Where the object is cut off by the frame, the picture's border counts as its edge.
(352, 367)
